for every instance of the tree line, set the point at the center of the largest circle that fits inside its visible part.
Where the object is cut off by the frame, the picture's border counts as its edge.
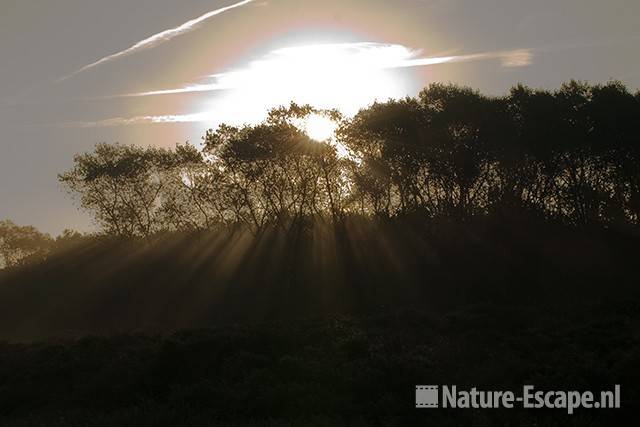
(24, 244)
(570, 155)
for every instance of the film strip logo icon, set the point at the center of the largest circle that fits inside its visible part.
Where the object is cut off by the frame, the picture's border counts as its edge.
(426, 396)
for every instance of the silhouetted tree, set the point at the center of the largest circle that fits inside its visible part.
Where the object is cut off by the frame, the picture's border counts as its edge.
(387, 139)
(275, 174)
(21, 244)
(570, 155)
(122, 186)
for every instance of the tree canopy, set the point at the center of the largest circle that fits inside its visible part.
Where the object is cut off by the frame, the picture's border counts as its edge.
(570, 155)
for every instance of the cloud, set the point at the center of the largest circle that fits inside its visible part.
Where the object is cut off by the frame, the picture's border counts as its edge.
(518, 58)
(123, 121)
(158, 38)
(346, 76)
(509, 58)
(187, 89)
(340, 57)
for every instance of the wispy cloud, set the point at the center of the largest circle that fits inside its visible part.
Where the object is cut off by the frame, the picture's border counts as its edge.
(123, 121)
(159, 38)
(342, 57)
(518, 58)
(508, 58)
(346, 76)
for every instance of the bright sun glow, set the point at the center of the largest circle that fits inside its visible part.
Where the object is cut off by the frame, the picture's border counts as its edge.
(343, 76)
(319, 128)
(346, 76)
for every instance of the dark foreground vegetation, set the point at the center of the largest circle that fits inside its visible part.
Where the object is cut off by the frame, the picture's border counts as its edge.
(269, 279)
(184, 280)
(332, 326)
(329, 372)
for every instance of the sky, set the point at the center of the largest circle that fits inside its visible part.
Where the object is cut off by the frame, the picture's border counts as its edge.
(74, 73)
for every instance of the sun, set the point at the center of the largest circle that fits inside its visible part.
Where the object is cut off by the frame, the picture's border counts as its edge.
(319, 127)
(344, 76)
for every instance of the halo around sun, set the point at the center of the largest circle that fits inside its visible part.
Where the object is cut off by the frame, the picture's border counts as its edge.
(319, 127)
